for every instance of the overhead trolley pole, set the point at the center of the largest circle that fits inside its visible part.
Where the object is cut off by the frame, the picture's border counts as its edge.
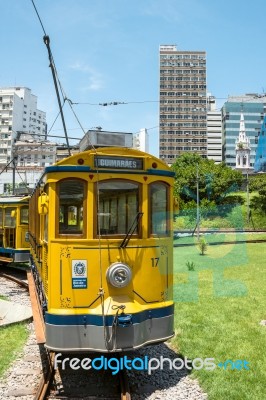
(46, 40)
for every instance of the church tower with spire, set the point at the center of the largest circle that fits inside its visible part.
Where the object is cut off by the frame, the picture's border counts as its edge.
(242, 147)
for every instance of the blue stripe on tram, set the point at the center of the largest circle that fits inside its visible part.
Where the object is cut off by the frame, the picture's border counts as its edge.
(88, 319)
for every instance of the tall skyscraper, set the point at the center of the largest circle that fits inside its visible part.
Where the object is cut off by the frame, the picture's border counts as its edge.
(18, 113)
(183, 98)
(252, 106)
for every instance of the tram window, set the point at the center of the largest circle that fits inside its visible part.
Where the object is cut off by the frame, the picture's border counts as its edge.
(118, 206)
(46, 217)
(9, 220)
(71, 207)
(158, 196)
(24, 215)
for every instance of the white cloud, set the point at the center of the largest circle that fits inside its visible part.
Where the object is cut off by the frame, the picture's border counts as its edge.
(95, 78)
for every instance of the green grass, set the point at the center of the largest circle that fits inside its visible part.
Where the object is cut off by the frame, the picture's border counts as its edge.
(12, 339)
(218, 308)
(220, 237)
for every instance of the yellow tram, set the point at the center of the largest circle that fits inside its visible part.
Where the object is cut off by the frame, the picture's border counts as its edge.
(14, 220)
(101, 242)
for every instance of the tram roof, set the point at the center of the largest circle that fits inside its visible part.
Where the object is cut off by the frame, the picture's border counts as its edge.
(13, 199)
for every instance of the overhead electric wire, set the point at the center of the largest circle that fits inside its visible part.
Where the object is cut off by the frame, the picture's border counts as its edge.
(70, 105)
(115, 103)
(55, 120)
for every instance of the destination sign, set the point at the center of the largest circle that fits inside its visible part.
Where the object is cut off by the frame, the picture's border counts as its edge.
(118, 162)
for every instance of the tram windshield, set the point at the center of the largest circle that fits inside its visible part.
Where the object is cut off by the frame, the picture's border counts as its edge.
(118, 204)
(24, 215)
(159, 209)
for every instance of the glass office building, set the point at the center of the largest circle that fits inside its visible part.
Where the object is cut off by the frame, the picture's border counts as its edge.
(253, 109)
(260, 159)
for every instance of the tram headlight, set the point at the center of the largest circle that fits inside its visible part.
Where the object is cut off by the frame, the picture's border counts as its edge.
(119, 274)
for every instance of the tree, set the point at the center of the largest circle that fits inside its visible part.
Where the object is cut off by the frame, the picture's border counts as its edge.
(215, 180)
(258, 184)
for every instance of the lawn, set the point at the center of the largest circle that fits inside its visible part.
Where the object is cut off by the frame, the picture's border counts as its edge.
(218, 309)
(12, 339)
(218, 237)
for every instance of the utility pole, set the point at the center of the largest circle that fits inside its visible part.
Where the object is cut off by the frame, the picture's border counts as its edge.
(198, 200)
(14, 175)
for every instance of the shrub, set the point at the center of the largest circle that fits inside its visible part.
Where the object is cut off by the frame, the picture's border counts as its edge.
(202, 245)
(190, 265)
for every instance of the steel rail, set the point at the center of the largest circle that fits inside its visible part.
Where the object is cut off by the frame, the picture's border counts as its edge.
(12, 278)
(124, 386)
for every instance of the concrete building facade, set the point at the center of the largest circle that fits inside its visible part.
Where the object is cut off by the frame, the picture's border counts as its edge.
(183, 103)
(30, 153)
(214, 131)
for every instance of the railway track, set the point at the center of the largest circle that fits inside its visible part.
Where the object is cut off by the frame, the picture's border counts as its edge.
(124, 384)
(53, 385)
(20, 282)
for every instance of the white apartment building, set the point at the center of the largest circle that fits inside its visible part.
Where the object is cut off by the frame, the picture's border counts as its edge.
(141, 140)
(214, 131)
(18, 113)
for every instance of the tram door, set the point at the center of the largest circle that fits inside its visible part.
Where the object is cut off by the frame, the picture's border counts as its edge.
(10, 227)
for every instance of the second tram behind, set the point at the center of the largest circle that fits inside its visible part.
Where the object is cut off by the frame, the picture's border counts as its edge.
(102, 250)
(14, 219)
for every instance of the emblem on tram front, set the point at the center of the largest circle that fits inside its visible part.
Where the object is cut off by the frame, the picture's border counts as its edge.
(79, 274)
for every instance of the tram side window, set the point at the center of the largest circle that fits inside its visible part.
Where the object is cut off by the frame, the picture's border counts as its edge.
(46, 217)
(24, 215)
(71, 207)
(9, 220)
(1, 227)
(118, 206)
(159, 199)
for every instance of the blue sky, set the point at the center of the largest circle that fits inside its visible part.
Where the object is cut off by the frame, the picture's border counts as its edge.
(108, 50)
